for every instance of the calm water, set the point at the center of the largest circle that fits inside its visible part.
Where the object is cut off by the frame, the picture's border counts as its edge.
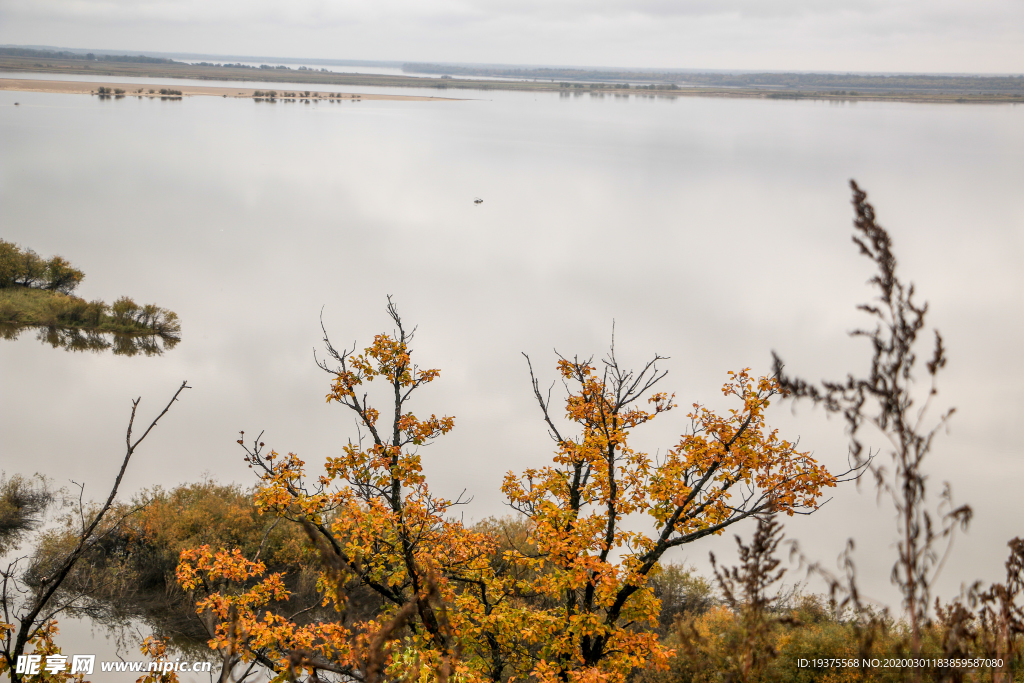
(709, 230)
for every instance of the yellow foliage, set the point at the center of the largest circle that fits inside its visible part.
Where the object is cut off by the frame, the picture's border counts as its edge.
(572, 600)
(726, 469)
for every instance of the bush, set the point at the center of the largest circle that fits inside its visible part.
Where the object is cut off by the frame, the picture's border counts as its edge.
(127, 313)
(130, 570)
(23, 504)
(61, 277)
(68, 310)
(166, 323)
(124, 310)
(682, 592)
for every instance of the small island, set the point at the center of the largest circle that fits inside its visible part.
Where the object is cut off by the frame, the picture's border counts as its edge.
(120, 91)
(38, 293)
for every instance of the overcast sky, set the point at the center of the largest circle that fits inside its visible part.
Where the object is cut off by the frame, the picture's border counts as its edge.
(857, 35)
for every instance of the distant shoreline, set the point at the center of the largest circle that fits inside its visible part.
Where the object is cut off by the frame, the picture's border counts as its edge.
(152, 90)
(318, 79)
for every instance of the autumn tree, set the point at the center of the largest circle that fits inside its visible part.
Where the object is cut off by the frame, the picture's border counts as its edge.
(723, 470)
(376, 525)
(573, 597)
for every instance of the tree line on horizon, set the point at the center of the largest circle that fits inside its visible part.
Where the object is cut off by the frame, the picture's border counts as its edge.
(128, 59)
(88, 56)
(846, 81)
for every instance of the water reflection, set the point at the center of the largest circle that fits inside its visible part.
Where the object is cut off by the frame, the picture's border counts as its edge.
(712, 230)
(74, 339)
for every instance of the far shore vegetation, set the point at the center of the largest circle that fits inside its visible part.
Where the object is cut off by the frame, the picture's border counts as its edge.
(568, 82)
(165, 93)
(38, 293)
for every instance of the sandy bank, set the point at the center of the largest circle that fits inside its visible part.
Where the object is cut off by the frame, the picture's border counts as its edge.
(153, 90)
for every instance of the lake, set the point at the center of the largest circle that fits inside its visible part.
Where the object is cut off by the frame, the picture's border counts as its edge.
(712, 231)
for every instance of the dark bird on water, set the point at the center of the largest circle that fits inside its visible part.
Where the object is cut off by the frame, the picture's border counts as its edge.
(478, 201)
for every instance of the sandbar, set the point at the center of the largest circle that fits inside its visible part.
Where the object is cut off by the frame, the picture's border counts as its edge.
(153, 90)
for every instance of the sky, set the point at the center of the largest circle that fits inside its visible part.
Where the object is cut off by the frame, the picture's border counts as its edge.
(945, 36)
